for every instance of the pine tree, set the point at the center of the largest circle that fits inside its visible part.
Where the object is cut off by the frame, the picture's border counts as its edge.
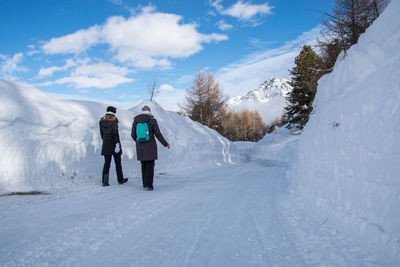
(205, 101)
(308, 69)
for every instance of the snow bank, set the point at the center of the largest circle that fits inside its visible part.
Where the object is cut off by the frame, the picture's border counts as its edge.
(348, 164)
(46, 142)
(280, 145)
(192, 143)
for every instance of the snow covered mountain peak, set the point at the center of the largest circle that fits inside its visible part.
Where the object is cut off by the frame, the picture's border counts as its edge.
(269, 99)
(271, 88)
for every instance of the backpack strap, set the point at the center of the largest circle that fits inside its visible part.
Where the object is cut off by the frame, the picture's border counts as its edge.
(150, 128)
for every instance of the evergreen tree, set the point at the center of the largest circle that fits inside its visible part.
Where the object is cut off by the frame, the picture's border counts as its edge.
(205, 102)
(305, 75)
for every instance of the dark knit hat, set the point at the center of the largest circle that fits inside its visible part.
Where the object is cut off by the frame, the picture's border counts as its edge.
(112, 109)
(146, 108)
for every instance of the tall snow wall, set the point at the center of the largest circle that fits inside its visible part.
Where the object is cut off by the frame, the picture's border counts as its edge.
(46, 142)
(348, 162)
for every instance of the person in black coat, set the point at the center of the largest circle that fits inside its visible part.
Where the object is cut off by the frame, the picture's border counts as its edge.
(146, 152)
(111, 145)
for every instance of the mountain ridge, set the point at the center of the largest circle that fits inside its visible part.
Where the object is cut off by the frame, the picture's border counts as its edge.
(269, 99)
(271, 88)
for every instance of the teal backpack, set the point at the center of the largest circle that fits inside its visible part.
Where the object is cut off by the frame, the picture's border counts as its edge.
(142, 132)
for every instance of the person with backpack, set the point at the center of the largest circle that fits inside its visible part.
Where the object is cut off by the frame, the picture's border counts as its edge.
(144, 129)
(111, 145)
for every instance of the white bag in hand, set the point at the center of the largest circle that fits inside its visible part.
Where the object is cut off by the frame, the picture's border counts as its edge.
(117, 148)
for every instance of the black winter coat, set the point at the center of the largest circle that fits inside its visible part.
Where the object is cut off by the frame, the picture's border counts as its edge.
(147, 151)
(109, 133)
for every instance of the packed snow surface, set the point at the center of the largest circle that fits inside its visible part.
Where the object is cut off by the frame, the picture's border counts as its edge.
(229, 215)
(328, 197)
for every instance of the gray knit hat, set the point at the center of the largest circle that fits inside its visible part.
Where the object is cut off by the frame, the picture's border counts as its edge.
(145, 108)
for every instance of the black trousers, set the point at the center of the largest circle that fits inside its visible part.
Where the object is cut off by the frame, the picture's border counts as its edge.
(147, 173)
(118, 167)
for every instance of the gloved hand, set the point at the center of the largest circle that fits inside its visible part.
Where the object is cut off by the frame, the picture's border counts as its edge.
(117, 148)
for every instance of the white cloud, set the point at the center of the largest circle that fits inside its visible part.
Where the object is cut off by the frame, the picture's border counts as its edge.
(74, 43)
(257, 43)
(48, 83)
(98, 75)
(242, 10)
(146, 40)
(124, 96)
(44, 72)
(166, 87)
(222, 25)
(170, 100)
(11, 65)
(150, 39)
(32, 51)
(169, 97)
(238, 78)
(185, 79)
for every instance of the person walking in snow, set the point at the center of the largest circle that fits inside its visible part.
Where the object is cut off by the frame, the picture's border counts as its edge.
(111, 145)
(144, 128)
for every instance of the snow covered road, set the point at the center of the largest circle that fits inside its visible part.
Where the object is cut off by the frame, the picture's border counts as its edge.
(232, 215)
(344, 165)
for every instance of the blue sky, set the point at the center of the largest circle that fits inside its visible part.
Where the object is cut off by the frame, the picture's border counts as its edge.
(111, 51)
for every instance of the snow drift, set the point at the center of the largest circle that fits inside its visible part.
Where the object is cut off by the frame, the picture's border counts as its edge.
(280, 145)
(47, 142)
(349, 153)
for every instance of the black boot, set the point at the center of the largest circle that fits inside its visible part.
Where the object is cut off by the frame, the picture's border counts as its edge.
(124, 180)
(105, 179)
